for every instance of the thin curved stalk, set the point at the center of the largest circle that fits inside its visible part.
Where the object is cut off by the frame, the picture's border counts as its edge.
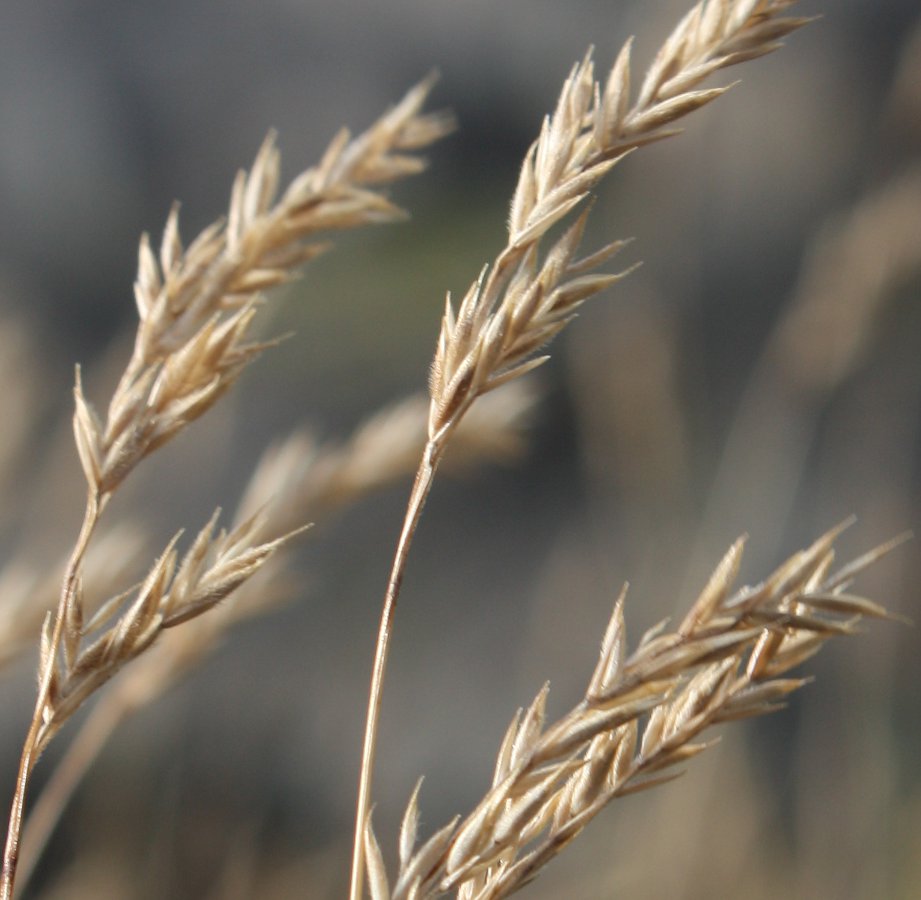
(420, 491)
(31, 749)
(66, 777)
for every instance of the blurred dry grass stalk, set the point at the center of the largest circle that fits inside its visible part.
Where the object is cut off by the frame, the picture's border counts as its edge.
(643, 712)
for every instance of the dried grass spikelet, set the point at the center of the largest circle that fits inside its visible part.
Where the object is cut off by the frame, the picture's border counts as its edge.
(523, 299)
(642, 716)
(196, 303)
(195, 306)
(529, 294)
(296, 481)
(174, 591)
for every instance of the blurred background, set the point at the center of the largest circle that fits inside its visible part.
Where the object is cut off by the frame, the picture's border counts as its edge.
(759, 374)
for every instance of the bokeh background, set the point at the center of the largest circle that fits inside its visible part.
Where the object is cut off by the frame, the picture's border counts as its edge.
(759, 374)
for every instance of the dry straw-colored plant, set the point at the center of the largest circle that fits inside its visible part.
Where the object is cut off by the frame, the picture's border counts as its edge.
(724, 662)
(643, 712)
(196, 305)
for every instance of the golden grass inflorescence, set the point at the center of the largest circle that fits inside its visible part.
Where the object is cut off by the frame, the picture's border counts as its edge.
(642, 713)
(195, 306)
(640, 719)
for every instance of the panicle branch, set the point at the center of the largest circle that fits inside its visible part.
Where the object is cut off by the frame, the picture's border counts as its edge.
(528, 294)
(641, 718)
(196, 304)
(525, 297)
(174, 591)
